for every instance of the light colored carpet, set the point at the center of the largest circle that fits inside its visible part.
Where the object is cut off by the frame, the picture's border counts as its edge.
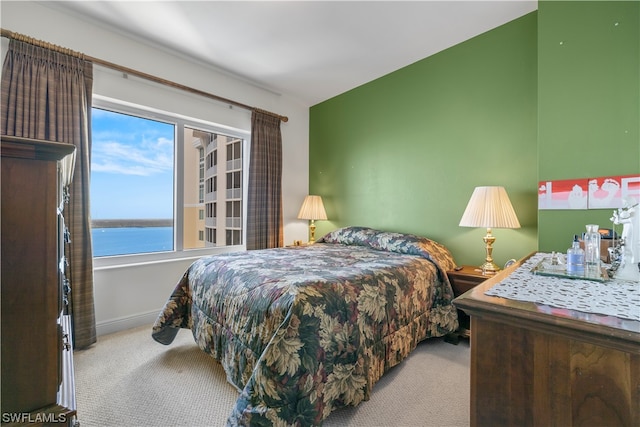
(127, 379)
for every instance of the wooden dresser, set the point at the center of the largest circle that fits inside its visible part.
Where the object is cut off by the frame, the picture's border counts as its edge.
(530, 367)
(37, 356)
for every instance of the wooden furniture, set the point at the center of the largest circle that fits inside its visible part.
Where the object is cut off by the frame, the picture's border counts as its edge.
(37, 361)
(463, 280)
(534, 368)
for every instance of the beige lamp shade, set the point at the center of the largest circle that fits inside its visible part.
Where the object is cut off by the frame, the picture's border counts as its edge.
(312, 208)
(489, 207)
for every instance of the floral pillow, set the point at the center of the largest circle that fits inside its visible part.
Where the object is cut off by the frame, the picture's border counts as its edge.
(359, 236)
(409, 244)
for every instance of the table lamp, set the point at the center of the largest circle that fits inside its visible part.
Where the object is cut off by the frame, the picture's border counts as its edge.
(312, 209)
(489, 207)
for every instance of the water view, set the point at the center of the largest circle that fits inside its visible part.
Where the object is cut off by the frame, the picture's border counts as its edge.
(110, 241)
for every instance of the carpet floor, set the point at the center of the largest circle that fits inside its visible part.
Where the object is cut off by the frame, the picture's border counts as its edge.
(127, 379)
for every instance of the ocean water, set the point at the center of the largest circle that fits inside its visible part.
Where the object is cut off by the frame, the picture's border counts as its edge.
(131, 240)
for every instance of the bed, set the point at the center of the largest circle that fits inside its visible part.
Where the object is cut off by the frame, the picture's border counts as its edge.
(302, 331)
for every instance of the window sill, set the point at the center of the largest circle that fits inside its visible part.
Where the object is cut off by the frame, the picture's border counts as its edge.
(134, 260)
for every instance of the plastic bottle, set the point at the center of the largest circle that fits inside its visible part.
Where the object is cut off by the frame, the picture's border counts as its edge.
(575, 258)
(592, 249)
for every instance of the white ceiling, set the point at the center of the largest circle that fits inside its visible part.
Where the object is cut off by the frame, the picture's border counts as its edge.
(310, 50)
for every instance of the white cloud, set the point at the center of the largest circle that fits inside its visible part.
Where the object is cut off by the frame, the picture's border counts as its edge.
(146, 158)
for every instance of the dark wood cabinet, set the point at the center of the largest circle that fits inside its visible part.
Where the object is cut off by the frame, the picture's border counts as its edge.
(530, 367)
(463, 280)
(37, 360)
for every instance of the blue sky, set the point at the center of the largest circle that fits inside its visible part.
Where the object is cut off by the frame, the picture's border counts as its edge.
(131, 167)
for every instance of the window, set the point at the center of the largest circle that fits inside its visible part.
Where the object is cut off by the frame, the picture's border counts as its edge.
(201, 176)
(154, 182)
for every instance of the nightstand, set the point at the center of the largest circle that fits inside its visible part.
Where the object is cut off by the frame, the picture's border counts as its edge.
(463, 280)
(298, 244)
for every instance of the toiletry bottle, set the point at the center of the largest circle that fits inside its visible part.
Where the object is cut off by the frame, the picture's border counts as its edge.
(575, 258)
(592, 249)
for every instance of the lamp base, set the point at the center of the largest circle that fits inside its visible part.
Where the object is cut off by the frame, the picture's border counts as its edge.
(312, 229)
(489, 268)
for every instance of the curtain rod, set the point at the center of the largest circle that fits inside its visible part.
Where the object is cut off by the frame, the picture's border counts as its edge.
(126, 70)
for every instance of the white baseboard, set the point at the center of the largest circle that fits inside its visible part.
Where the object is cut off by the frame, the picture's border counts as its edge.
(128, 322)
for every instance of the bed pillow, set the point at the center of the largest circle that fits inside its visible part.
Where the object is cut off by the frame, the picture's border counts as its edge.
(350, 236)
(409, 244)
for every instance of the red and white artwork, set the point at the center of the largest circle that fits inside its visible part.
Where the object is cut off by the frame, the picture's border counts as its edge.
(588, 193)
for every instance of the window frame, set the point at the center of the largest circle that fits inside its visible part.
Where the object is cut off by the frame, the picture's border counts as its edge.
(179, 121)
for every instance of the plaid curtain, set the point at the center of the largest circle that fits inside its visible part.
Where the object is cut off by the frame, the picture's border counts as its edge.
(264, 204)
(46, 95)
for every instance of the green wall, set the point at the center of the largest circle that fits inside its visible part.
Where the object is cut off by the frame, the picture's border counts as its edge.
(588, 102)
(404, 152)
(552, 95)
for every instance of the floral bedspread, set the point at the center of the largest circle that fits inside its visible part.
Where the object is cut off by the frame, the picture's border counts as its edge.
(301, 331)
